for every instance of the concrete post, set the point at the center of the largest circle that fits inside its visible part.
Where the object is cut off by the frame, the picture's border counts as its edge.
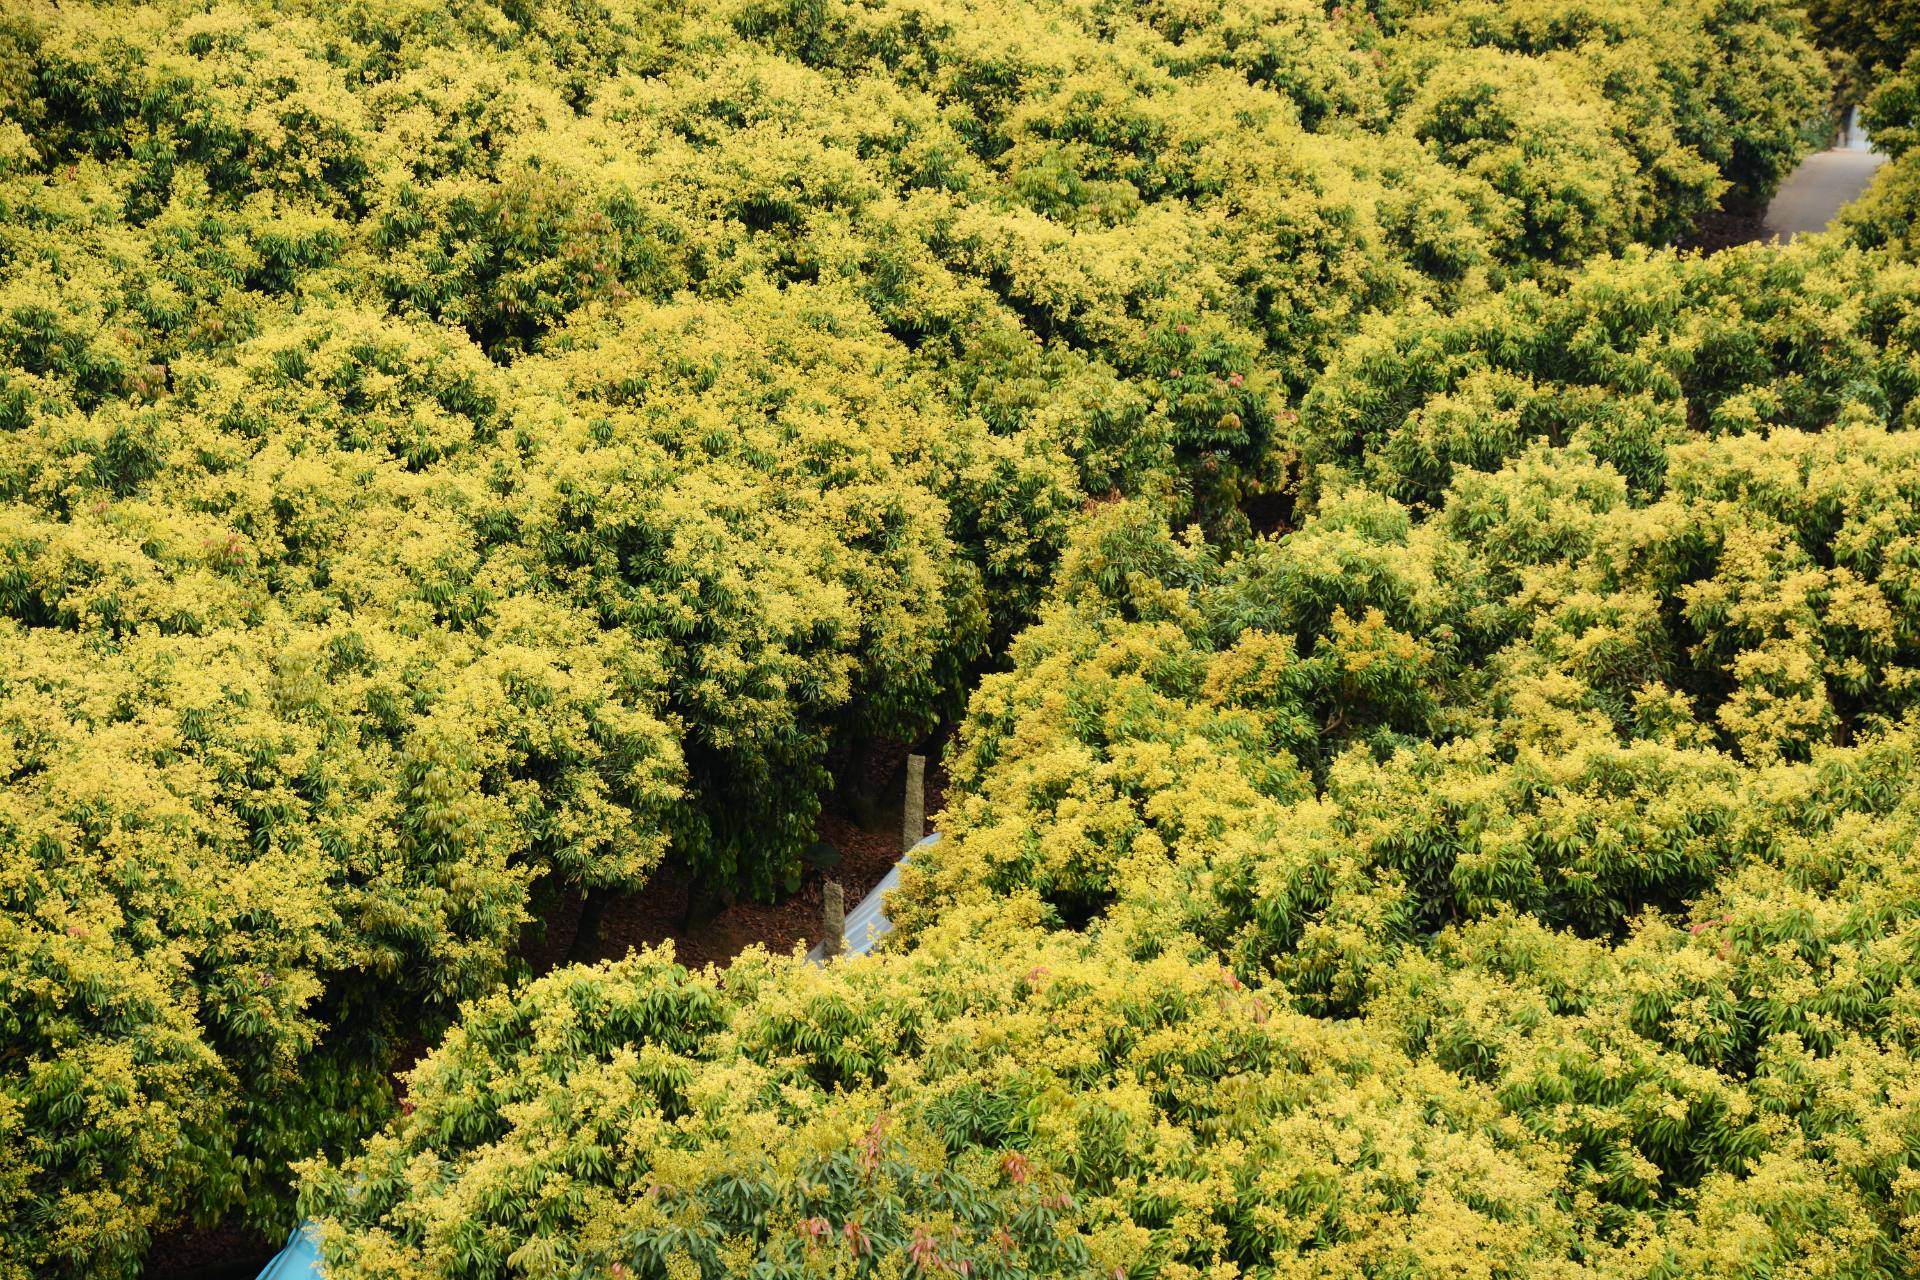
(913, 818)
(833, 910)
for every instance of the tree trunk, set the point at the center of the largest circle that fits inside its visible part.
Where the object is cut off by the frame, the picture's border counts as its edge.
(586, 939)
(704, 902)
(858, 792)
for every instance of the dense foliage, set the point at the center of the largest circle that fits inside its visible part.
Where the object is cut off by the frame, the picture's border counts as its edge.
(1568, 744)
(1724, 1091)
(451, 454)
(1888, 215)
(944, 1114)
(1875, 36)
(1553, 779)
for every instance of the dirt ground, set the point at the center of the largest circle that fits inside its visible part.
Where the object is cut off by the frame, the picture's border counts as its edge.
(224, 1252)
(1722, 230)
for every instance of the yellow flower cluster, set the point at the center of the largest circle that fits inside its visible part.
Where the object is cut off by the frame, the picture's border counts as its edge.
(458, 454)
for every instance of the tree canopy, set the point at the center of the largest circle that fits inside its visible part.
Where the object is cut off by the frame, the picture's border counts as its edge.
(1512, 877)
(452, 453)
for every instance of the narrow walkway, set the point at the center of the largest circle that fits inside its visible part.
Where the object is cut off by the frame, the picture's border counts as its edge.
(1807, 201)
(868, 922)
(1818, 188)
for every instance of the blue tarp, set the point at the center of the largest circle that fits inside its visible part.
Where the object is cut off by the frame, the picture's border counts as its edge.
(300, 1260)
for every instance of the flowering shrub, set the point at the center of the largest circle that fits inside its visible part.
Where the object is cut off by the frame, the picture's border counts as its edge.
(1004, 1104)
(1581, 774)
(453, 454)
(1887, 214)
